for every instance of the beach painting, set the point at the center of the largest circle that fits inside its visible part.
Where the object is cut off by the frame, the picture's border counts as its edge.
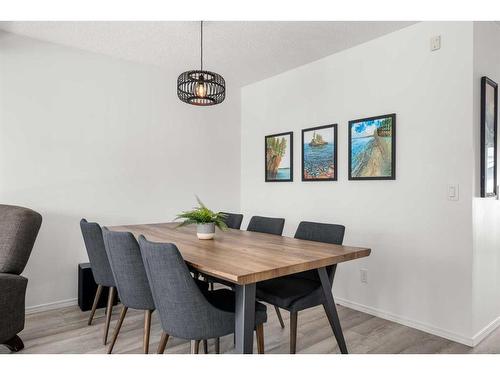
(372, 148)
(279, 157)
(489, 98)
(319, 153)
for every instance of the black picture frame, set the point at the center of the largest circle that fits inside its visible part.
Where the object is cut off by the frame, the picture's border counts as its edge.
(335, 148)
(290, 179)
(393, 148)
(485, 81)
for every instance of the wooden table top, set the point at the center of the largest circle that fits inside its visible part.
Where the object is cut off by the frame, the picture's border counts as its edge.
(243, 257)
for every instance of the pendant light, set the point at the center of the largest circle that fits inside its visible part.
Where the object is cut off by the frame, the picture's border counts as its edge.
(201, 87)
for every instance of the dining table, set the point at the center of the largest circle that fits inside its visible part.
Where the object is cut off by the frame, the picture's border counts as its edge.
(244, 258)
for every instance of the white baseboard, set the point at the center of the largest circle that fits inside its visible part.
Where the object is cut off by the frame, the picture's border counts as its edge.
(51, 306)
(482, 334)
(413, 323)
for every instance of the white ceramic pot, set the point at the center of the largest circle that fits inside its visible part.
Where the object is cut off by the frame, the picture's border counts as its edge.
(205, 231)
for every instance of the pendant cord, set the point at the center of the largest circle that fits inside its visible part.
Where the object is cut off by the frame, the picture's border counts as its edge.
(201, 44)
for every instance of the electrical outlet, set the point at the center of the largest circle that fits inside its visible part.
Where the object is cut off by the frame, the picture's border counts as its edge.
(435, 43)
(363, 275)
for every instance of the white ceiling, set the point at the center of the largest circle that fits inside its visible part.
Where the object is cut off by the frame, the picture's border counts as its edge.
(243, 52)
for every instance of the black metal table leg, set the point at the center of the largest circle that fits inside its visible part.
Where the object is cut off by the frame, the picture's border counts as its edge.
(330, 309)
(245, 318)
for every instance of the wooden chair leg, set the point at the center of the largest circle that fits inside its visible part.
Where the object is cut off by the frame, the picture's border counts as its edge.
(205, 346)
(195, 346)
(217, 345)
(259, 331)
(280, 318)
(147, 330)
(109, 311)
(163, 343)
(96, 301)
(293, 332)
(117, 328)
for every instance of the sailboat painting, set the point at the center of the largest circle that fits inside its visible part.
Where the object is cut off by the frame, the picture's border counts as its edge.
(319, 153)
(279, 157)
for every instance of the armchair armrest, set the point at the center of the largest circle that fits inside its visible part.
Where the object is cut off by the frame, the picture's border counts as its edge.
(12, 294)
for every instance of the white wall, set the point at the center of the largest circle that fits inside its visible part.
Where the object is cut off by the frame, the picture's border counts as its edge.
(486, 211)
(419, 272)
(84, 135)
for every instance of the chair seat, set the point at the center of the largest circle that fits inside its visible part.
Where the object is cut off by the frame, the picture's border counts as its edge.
(285, 291)
(224, 299)
(203, 285)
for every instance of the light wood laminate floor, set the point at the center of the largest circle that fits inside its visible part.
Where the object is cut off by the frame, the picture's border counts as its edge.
(65, 330)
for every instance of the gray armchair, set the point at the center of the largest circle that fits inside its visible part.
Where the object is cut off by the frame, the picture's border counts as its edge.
(18, 230)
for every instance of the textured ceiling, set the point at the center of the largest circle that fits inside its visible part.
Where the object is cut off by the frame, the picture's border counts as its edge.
(243, 52)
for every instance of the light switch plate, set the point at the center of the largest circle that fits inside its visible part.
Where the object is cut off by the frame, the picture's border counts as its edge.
(453, 193)
(435, 43)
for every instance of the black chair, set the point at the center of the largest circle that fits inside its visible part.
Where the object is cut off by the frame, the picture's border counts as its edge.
(304, 290)
(101, 270)
(131, 281)
(185, 310)
(268, 225)
(233, 221)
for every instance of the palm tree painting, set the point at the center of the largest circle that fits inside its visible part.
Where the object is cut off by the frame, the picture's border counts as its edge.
(279, 157)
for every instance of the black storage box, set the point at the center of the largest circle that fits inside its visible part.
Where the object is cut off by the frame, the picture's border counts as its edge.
(87, 288)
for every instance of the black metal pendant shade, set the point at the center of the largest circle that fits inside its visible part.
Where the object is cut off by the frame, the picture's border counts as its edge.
(201, 87)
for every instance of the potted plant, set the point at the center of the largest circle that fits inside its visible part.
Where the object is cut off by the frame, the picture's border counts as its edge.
(205, 219)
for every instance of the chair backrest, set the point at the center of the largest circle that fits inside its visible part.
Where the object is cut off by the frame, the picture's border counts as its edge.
(233, 221)
(128, 269)
(184, 311)
(94, 243)
(19, 228)
(269, 225)
(319, 232)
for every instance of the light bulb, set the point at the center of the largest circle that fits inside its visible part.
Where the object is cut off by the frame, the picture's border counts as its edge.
(200, 89)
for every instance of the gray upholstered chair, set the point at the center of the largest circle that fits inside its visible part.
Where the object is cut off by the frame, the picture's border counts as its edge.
(131, 281)
(268, 225)
(303, 290)
(233, 221)
(103, 276)
(19, 228)
(185, 310)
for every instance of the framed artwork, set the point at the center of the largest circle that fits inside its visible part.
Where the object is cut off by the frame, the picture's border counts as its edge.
(372, 148)
(319, 153)
(279, 157)
(489, 114)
